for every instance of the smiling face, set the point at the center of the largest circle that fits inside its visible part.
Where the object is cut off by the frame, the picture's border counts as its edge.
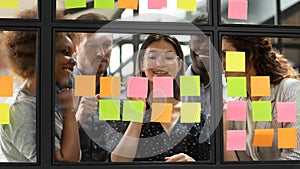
(93, 53)
(64, 62)
(160, 59)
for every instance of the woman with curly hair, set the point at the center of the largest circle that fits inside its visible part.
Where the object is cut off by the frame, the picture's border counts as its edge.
(19, 136)
(263, 60)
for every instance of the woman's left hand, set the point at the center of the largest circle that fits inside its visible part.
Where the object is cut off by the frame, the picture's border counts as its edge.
(181, 157)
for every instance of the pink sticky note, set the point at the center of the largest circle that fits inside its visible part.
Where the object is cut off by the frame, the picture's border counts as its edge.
(157, 4)
(237, 9)
(286, 111)
(236, 110)
(162, 87)
(137, 87)
(236, 140)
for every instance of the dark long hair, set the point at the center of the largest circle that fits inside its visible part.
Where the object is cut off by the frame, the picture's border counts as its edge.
(266, 61)
(174, 42)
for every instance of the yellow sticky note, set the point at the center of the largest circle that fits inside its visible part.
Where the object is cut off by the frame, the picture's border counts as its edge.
(161, 112)
(9, 3)
(189, 5)
(235, 61)
(75, 4)
(287, 138)
(110, 87)
(85, 85)
(4, 113)
(6, 86)
(129, 4)
(260, 86)
(190, 112)
(263, 137)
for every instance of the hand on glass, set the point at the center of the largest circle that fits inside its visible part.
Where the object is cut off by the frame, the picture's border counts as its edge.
(87, 107)
(181, 157)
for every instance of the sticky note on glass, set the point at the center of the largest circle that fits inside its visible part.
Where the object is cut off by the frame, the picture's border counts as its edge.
(260, 85)
(238, 9)
(133, 111)
(75, 4)
(236, 87)
(9, 3)
(235, 61)
(110, 87)
(6, 86)
(286, 111)
(287, 138)
(161, 112)
(4, 113)
(188, 5)
(109, 109)
(157, 4)
(236, 140)
(236, 110)
(137, 87)
(189, 85)
(129, 4)
(263, 137)
(162, 87)
(85, 85)
(261, 111)
(190, 112)
(104, 4)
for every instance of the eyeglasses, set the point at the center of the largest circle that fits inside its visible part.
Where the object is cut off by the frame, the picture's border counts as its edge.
(154, 57)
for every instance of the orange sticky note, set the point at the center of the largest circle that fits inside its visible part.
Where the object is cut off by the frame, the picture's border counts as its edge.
(4, 113)
(6, 86)
(110, 87)
(263, 137)
(85, 85)
(130, 4)
(287, 138)
(260, 86)
(161, 112)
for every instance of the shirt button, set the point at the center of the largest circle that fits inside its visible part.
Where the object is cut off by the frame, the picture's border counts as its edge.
(96, 128)
(95, 147)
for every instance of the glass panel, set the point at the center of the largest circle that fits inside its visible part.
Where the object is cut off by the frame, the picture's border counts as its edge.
(18, 96)
(290, 13)
(14, 10)
(263, 87)
(103, 103)
(168, 14)
(259, 12)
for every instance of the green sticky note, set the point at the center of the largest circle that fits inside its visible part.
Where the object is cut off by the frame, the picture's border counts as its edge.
(133, 111)
(236, 87)
(235, 61)
(4, 113)
(75, 4)
(261, 111)
(190, 85)
(104, 4)
(9, 3)
(109, 109)
(190, 112)
(189, 5)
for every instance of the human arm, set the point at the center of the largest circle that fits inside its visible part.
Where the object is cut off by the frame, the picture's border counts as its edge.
(70, 144)
(21, 131)
(291, 93)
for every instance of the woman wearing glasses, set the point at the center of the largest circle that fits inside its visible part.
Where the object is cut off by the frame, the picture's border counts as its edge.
(161, 56)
